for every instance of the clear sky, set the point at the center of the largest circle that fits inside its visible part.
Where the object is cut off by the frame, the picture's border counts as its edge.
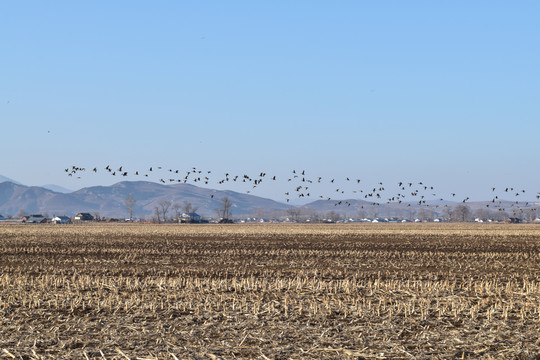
(441, 92)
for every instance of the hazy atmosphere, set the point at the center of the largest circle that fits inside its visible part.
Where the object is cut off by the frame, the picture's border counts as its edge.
(440, 93)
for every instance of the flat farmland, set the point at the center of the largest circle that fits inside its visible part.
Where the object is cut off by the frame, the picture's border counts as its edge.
(372, 291)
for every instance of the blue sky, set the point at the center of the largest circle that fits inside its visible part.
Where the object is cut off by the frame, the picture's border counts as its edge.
(440, 92)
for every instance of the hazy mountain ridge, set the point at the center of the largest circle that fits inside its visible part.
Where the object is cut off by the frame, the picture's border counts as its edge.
(56, 188)
(5, 178)
(361, 208)
(109, 200)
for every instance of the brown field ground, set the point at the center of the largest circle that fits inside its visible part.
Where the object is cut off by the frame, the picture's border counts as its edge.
(377, 291)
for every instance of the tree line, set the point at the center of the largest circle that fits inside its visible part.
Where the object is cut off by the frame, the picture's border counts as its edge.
(161, 210)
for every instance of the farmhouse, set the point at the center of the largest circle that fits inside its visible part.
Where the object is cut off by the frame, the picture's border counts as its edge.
(84, 217)
(36, 219)
(190, 218)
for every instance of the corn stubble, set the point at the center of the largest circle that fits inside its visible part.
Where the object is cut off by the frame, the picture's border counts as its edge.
(384, 291)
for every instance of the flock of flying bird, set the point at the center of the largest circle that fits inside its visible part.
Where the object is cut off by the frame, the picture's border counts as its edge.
(303, 186)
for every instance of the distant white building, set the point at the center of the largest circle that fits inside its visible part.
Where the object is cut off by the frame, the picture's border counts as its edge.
(62, 219)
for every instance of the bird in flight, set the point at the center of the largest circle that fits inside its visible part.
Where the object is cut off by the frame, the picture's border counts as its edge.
(418, 189)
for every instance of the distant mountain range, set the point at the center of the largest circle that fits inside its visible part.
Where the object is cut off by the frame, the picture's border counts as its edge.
(57, 188)
(109, 201)
(52, 187)
(5, 178)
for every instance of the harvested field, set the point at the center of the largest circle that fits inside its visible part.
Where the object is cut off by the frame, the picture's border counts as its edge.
(377, 291)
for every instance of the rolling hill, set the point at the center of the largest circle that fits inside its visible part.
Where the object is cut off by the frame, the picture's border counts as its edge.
(109, 200)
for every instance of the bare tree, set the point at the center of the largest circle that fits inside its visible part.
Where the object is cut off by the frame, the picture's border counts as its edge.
(373, 212)
(259, 213)
(157, 214)
(225, 211)
(447, 214)
(164, 205)
(531, 214)
(517, 213)
(188, 207)
(314, 216)
(422, 215)
(130, 203)
(333, 216)
(21, 213)
(461, 213)
(293, 214)
(176, 207)
(500, 215)
(96, 215)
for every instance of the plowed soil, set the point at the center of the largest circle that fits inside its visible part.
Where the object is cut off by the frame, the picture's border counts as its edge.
(377, 291)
